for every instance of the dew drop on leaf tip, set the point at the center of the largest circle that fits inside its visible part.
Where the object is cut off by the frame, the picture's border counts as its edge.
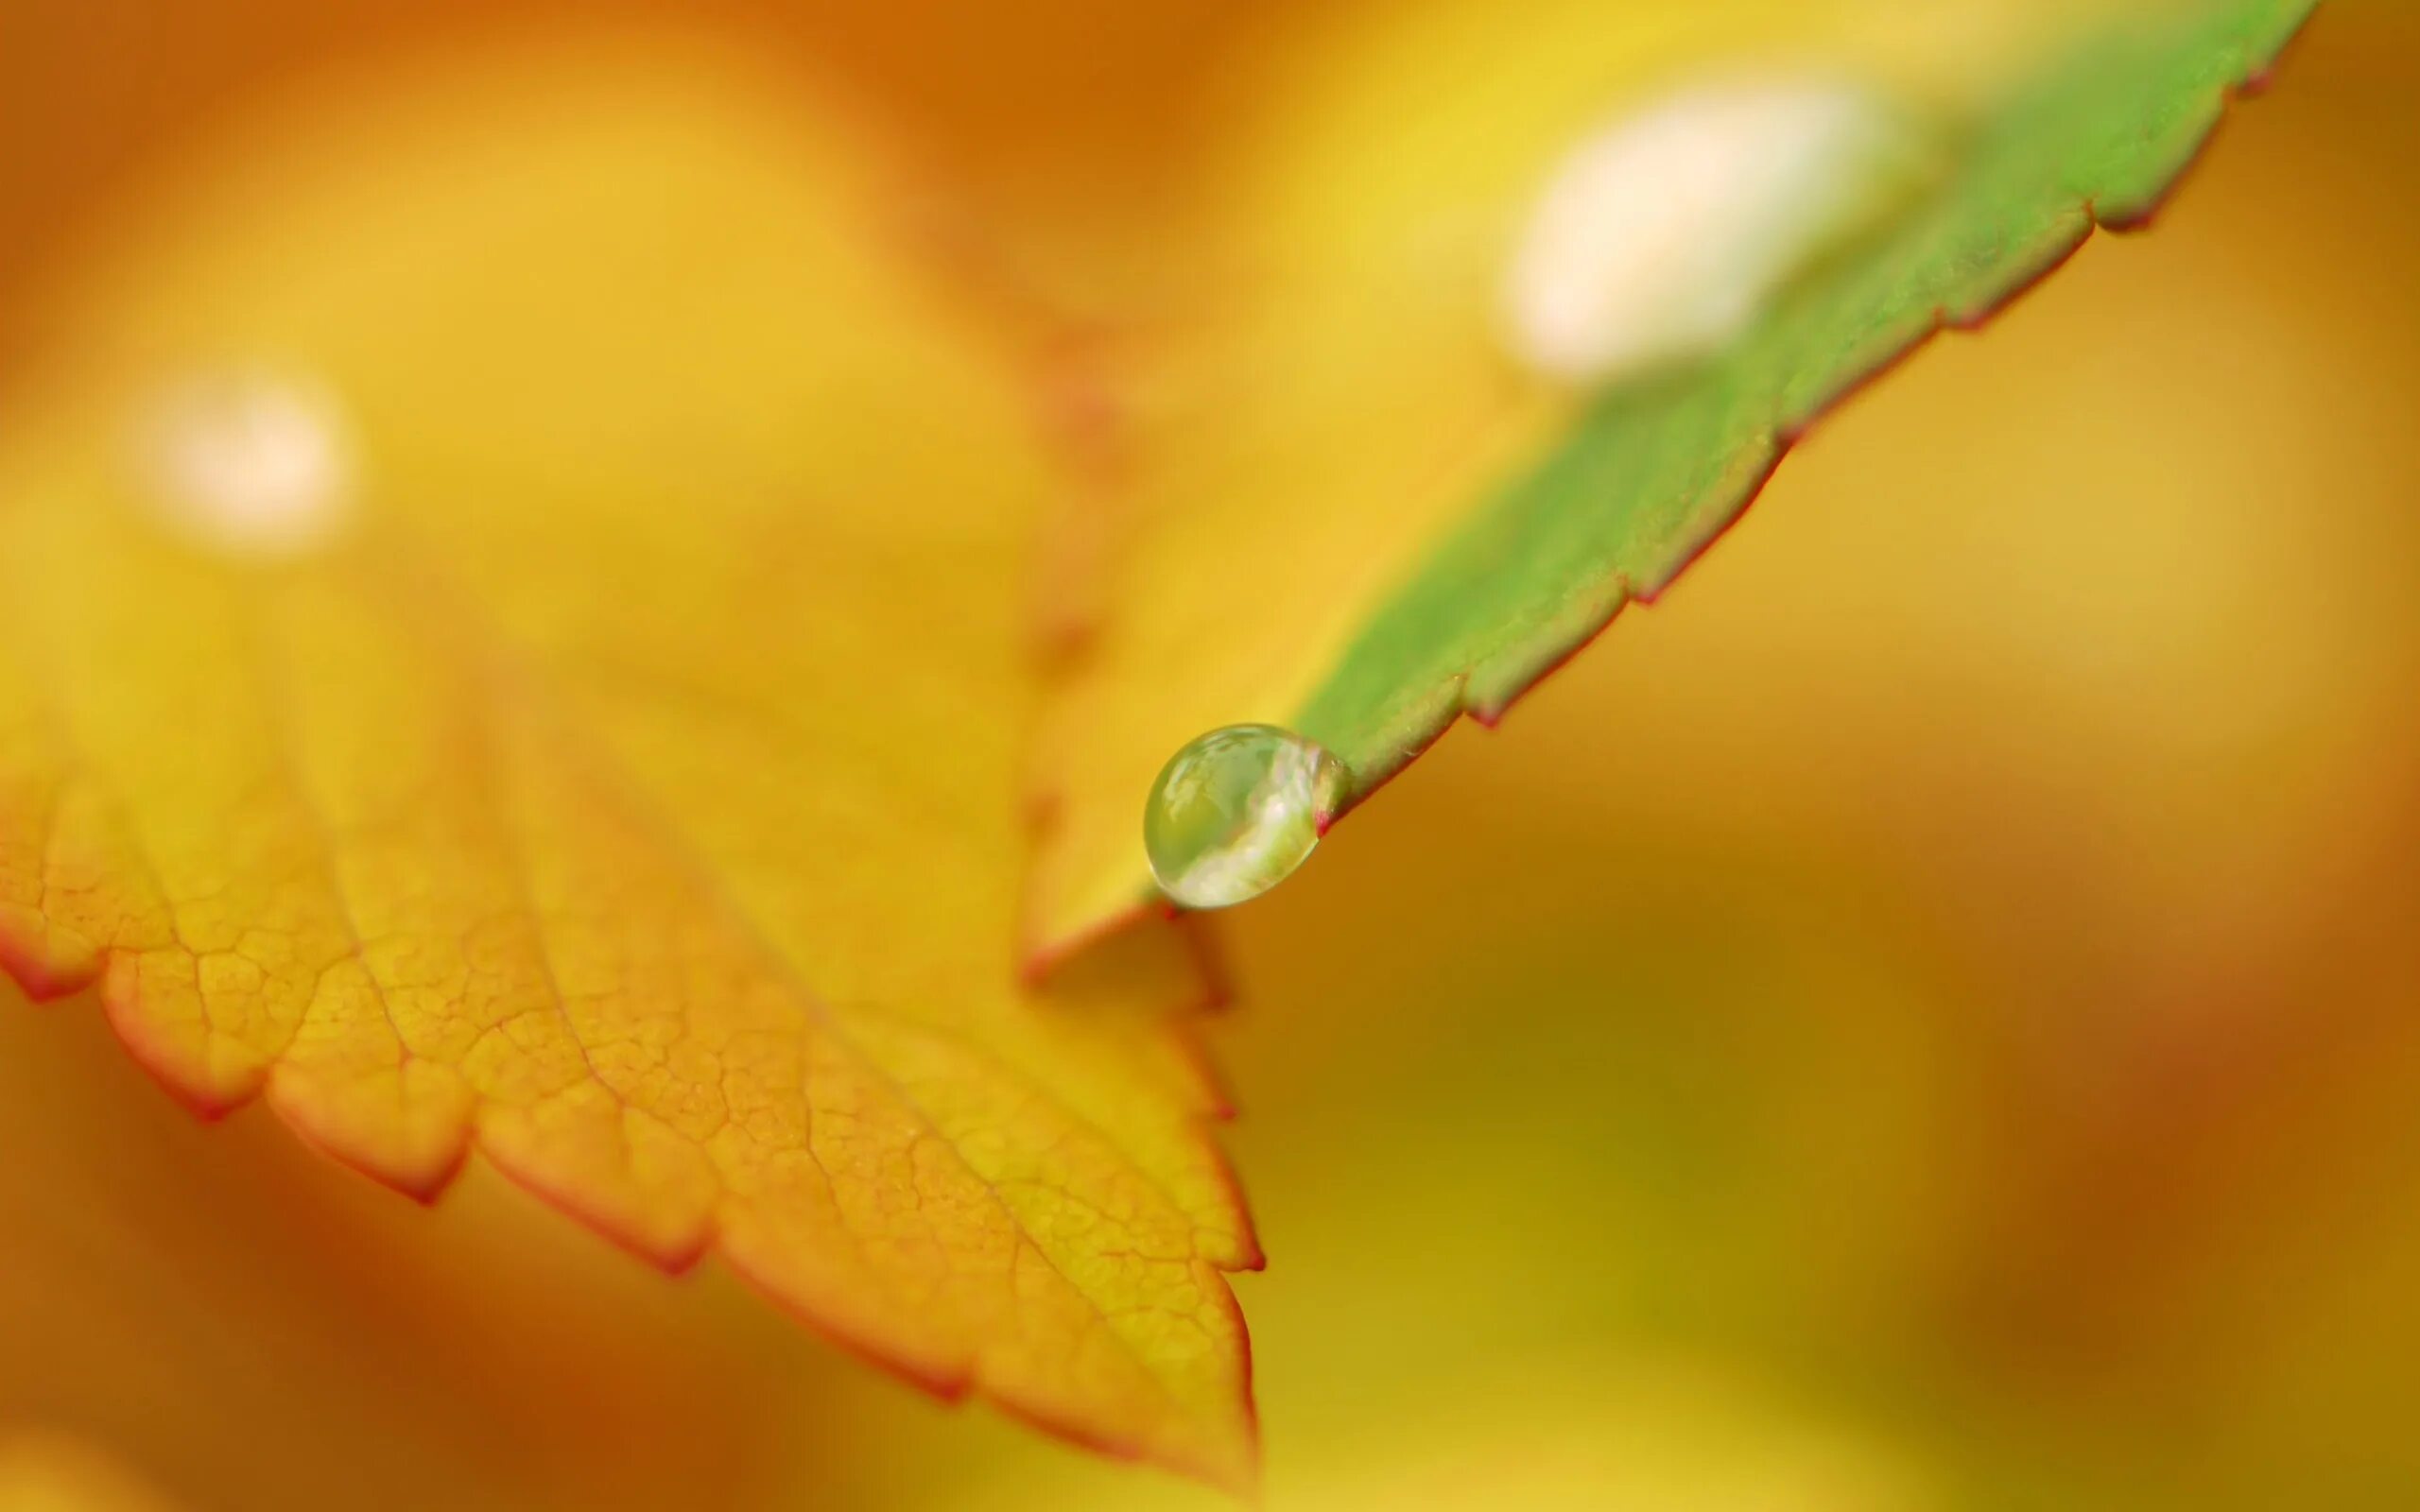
(1236, 811)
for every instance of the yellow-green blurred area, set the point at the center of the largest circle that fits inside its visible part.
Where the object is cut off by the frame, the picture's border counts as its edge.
(1926, 1016)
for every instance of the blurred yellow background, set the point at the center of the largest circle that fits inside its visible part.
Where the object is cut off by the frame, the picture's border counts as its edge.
(1921, 1018)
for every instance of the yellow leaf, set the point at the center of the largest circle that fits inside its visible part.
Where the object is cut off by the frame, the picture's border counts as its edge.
(247, 1324)
(511, 638)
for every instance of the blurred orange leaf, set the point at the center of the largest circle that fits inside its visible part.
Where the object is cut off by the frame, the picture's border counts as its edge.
(595, 739)
(54, 1473)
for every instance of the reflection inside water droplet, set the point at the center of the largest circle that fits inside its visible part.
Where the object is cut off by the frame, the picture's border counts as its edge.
(1236, 811)
(1664, 231)
(248, 464)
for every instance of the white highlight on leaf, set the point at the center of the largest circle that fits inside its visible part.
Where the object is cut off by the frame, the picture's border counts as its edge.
(1663, 233)
(250, 464)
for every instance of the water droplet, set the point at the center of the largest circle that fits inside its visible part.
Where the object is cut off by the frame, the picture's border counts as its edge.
(248, 464)
(1236, 811)
(1666, 232)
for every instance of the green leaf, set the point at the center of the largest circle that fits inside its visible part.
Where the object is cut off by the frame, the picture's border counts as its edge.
(1566, 508)
(1657, 471)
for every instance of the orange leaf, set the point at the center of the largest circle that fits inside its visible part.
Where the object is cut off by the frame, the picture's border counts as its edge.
(485, 677)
